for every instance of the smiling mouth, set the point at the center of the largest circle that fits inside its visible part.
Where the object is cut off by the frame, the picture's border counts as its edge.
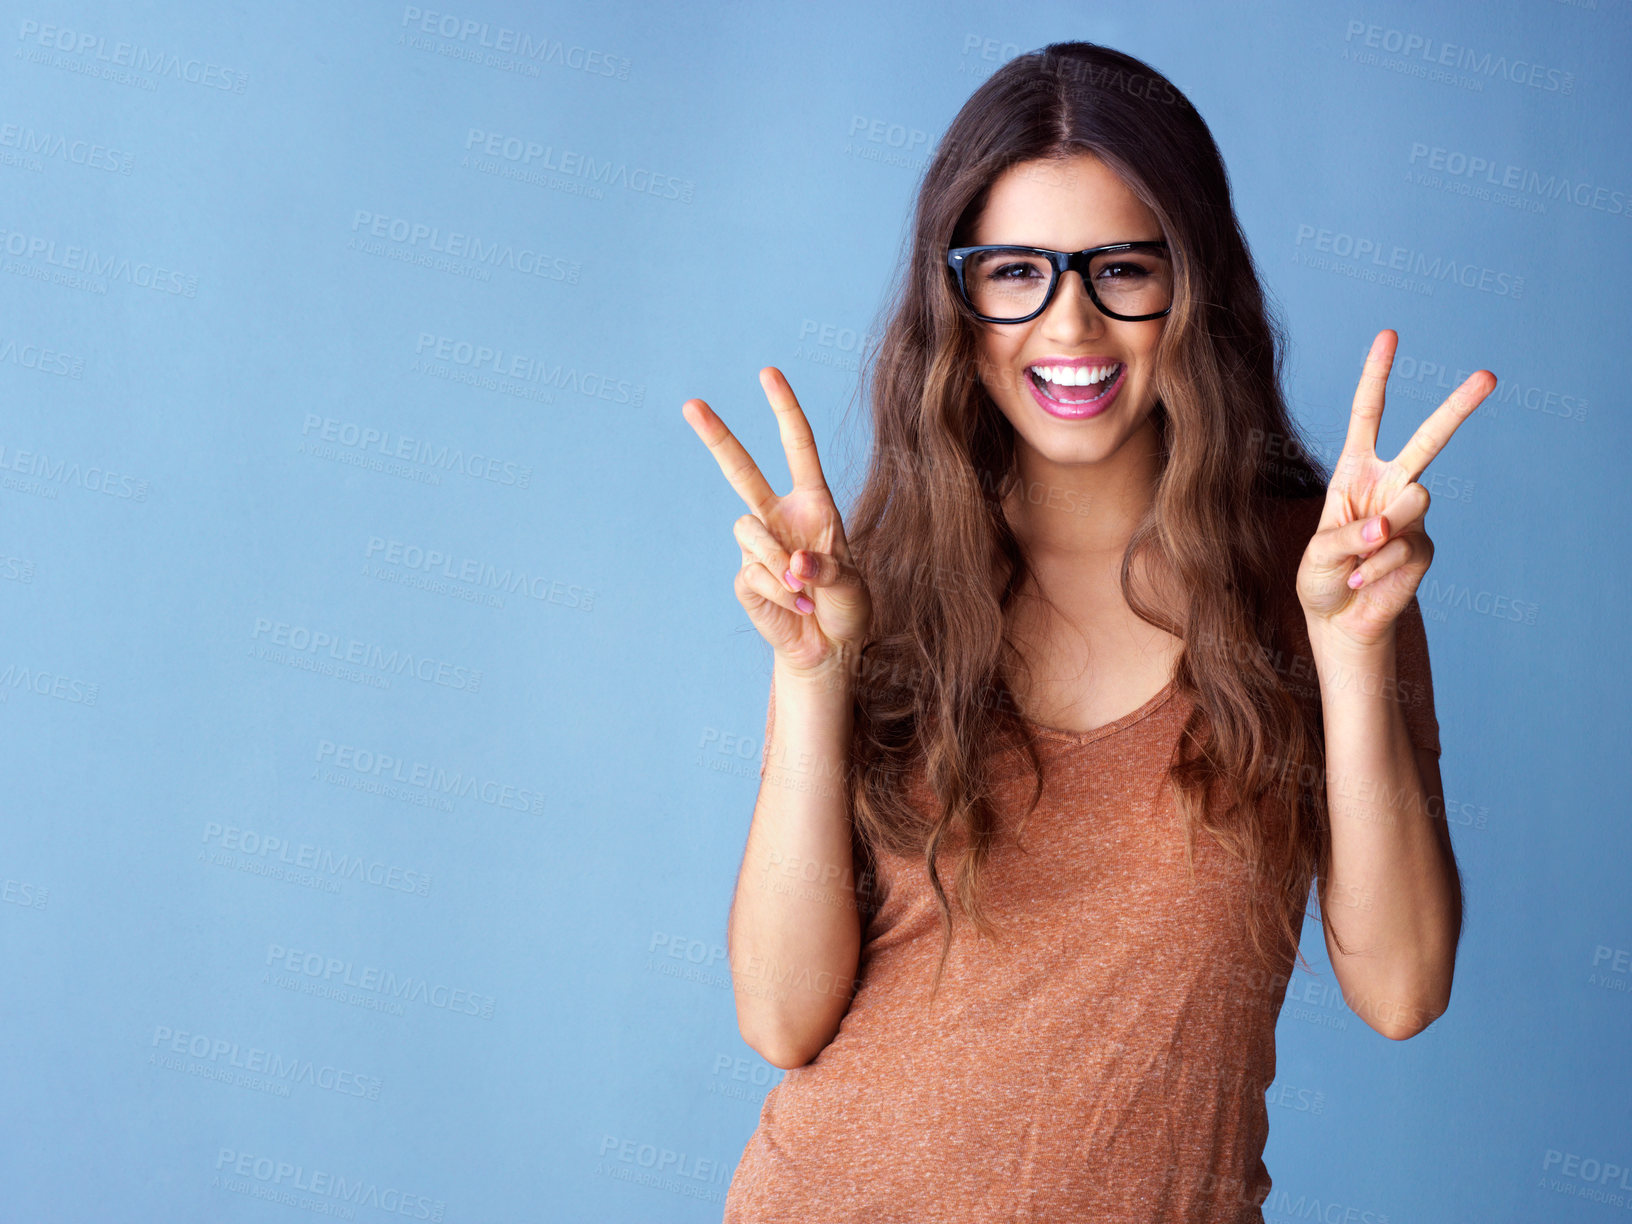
(1071, 385)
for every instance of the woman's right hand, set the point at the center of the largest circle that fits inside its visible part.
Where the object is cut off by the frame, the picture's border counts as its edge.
(820, 620)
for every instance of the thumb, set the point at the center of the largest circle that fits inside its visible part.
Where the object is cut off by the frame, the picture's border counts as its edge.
(822, 569)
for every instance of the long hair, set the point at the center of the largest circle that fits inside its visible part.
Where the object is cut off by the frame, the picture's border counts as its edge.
(943, 565)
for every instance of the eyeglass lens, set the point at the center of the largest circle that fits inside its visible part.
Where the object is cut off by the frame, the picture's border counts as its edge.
(1010, 283)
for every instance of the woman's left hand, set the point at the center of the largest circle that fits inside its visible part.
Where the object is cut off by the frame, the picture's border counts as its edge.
(1369, 550)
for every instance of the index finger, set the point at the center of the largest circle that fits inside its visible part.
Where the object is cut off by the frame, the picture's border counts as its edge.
(734, 460)
(1430, 437)
(798, 443)
(1367, 410)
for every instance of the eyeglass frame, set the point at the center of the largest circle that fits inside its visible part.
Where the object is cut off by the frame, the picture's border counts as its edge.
(1062, 262)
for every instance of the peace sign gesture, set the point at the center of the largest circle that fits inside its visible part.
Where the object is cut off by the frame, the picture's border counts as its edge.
(797, 581)
(1374, 511)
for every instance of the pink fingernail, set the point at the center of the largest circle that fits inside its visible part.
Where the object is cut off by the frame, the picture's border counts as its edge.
(803, 603)
(793, 583)
(1355, 579)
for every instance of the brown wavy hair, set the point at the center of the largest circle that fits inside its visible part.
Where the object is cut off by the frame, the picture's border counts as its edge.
(943, 565)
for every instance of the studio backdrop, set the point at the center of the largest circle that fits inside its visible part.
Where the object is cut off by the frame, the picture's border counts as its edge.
(380, 729)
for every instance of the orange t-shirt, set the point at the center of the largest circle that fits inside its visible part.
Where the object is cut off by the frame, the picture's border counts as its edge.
(1107, 1059)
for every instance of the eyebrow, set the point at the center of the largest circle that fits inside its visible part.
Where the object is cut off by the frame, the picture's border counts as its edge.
(1039, 247)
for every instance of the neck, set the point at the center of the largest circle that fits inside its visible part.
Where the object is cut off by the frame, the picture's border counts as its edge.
(1079, 512)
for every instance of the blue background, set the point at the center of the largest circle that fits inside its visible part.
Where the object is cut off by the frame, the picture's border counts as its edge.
(368, 606)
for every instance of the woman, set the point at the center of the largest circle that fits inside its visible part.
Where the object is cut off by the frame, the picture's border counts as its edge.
(1106, 650)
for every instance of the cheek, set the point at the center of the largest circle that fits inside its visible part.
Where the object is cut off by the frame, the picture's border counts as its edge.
(1147, 350)
(997, 355)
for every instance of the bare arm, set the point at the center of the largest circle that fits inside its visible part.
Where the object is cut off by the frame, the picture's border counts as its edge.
(794, 935)
(1392, 871)
(1393, 894)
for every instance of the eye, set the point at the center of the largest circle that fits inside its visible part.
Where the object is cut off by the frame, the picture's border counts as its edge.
(1123, 271)
(1013, 271)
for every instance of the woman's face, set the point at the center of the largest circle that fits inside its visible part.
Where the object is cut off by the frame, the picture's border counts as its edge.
(1068, 205)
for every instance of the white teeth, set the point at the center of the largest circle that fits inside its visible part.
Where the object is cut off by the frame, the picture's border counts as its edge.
(1075, 376)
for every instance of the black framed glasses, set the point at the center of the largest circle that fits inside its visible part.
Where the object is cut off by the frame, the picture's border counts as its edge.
(1131, 281)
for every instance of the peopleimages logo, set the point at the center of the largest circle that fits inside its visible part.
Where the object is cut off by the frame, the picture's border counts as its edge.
(303, 641)
(28, 356)
(1457, 57)
(493, 359)
(263, 851)
(506, 40)
(388, 767)
(85, 268)
(96, 50)
(32, 146)
(1491, 172)
(334, 972)
(508, 579)
(1408, 262)
(524, 151)
(93, 477)
(454, 244)
(255, 1061)
(445, 458)
(1588, 1177)
(47, 684)
(277, 1178)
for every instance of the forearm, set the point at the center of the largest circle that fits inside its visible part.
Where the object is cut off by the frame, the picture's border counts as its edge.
(794, 930)
(1391, 894)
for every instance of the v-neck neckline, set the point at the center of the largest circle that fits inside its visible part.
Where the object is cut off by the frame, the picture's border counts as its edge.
(1112, 727)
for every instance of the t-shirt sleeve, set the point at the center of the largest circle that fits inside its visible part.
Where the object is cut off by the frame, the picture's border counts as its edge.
(1413, 677)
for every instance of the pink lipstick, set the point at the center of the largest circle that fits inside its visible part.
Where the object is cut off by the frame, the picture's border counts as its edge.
(1063, 400)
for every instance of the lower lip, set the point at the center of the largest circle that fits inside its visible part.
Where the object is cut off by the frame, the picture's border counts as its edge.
(1077, 412)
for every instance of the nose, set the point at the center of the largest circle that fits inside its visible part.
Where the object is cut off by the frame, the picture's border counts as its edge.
(1072, 312)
